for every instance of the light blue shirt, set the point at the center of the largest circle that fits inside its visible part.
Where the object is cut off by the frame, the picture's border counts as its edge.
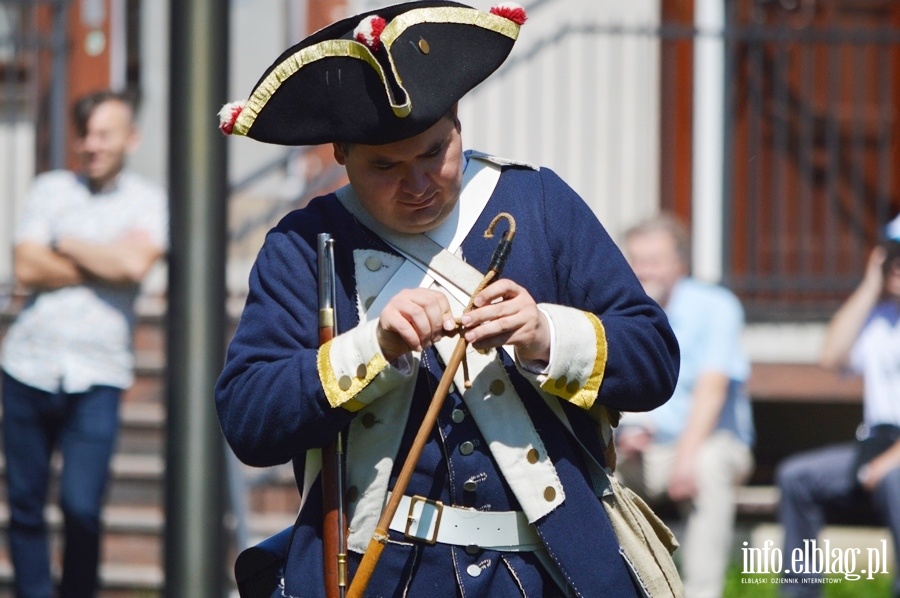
(707, 321)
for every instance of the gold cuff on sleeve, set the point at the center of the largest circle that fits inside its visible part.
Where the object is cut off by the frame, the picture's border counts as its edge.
(583, 394)
(341, 389)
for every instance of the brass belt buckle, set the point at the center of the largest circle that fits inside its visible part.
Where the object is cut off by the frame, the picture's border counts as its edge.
(422, 522)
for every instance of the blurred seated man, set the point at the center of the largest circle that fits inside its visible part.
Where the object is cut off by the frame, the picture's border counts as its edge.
(696, 448)
(864, 337)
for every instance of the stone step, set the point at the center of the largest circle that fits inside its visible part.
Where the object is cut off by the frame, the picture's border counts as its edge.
(117, 581)
(147, 388)
(133, 546)
(142, 429)
(137, 480)
(134, 535)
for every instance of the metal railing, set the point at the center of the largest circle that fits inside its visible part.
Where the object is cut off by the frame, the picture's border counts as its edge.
(812, 176)
(321, 182)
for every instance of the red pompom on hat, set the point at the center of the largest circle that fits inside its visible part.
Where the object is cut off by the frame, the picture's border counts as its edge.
(228, 115)
(369, 30)
(511, 11)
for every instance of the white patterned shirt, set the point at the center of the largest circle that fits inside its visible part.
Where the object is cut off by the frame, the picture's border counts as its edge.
(79, 336)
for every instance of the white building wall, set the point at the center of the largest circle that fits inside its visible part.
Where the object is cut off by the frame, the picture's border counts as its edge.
(150, 159)
(260, 31)
(259, 34)
(16, 172)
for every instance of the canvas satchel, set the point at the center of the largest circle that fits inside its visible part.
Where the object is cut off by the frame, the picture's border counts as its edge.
(645, 541)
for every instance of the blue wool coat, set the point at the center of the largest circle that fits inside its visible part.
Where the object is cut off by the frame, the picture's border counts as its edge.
(272, 406)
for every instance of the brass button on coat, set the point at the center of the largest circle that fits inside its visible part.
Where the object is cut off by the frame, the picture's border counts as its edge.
(466, 448)
(473, 570)
(424, 47)
(373, 263)
(470, 486)
(458, 416)
(344, 383)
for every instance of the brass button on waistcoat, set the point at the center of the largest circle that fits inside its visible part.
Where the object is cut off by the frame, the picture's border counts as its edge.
(532, 456)
(424, 47)
(466, 448)
(361, 371)
(572, 386)
(344, 383)
(373, 263)
(549, 493)
(560, 382)
(497, 387)
(368, 420)
(458, 416)
(368, 303)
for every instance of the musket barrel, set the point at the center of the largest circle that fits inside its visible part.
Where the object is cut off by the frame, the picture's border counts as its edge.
(334, 544)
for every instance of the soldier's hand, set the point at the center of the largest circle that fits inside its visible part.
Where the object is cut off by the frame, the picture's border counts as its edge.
(506, 314)
(413, 320)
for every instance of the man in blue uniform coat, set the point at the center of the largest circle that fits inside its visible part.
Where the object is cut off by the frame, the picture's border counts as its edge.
(566, 334)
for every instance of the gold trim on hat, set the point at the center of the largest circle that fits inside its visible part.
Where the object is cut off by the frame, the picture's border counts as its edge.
(353, 49)
(445, 14)
(448, 14)
(293, 63)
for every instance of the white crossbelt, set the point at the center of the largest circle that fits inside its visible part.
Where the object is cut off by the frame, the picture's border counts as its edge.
(432, 521)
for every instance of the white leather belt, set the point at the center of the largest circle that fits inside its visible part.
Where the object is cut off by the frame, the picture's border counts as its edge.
(432, 521)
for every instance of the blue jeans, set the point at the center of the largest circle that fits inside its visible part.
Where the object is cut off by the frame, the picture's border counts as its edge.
(809, 481)
(83, 425)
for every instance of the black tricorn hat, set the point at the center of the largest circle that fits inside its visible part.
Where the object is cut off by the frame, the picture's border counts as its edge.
(379, 77)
